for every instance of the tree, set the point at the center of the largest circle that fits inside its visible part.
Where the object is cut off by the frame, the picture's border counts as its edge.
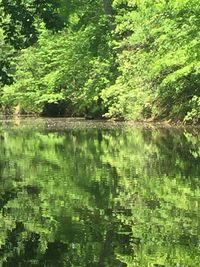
(23, 17)
(158, 60)
(71, 67)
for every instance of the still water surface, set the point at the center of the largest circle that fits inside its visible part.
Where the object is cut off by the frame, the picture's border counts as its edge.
(93, 194)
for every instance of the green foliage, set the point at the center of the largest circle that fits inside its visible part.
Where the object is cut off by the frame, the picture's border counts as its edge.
(73, 66)
(194, 114)
(126, 59)
(159, 62)
(23, 17)
(6, 54)
(61, 68)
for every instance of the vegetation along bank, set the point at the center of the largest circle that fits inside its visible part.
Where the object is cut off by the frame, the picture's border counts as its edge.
(125, 59)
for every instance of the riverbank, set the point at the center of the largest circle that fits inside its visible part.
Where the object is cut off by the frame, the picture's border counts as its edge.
(67, 122)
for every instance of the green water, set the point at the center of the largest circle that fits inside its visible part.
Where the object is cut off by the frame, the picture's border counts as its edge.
(94, 194)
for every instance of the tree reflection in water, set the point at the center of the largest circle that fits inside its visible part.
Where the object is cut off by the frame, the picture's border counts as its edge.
(88, 195)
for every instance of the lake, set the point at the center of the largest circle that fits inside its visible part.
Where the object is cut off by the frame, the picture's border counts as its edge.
(93, 194)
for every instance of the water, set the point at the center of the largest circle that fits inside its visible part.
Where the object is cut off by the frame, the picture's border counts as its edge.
(94, 194)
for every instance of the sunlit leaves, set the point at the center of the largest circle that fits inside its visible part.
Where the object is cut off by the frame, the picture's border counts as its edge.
(159, 57)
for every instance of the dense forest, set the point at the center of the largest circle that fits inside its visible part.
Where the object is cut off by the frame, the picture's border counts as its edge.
(124, 59)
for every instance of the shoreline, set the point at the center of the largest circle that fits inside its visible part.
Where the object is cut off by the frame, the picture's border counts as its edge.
(149, 123)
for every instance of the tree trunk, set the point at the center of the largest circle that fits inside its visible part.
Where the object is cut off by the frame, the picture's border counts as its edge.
(107, 4)
(108, 7)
